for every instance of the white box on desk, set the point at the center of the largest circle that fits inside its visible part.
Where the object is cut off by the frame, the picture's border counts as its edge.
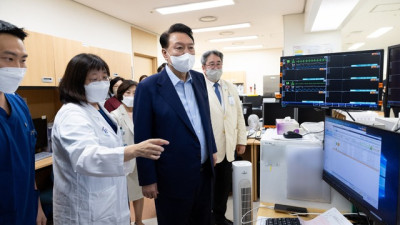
(286, 124)
(274, 173)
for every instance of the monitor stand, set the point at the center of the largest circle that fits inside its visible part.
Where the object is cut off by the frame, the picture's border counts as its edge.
(358, 219)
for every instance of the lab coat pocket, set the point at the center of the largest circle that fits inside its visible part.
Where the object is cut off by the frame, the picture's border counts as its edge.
(103, 205)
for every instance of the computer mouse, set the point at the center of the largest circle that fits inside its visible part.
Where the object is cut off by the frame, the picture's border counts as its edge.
(292, 134)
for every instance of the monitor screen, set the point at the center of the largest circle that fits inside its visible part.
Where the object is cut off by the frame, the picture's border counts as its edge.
(247, 111)
(255, 100)
(393, 76)
(41, 133)
(310, 115)
(333, 80)
(273, 111)
(362, 163)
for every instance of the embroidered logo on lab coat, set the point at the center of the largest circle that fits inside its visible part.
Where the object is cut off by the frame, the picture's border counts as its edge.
(105, 131)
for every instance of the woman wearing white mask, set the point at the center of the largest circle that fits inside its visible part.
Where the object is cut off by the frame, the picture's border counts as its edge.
(123, 116)
(89, 159)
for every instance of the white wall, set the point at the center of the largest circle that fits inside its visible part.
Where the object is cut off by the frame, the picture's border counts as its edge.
(256, 64)
(70, 20)
(316, 42)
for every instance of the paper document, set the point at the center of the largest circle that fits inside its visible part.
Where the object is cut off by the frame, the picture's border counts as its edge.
(261, 220)
(330, 217)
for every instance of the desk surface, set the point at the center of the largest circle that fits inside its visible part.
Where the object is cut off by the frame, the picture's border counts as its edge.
(43, 163)
(267, 212)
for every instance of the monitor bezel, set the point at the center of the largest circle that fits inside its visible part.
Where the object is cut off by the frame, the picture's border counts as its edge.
(310, 105)
(385, 103)
(344, 190)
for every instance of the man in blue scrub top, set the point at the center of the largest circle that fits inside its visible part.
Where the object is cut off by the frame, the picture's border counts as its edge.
(19, 202)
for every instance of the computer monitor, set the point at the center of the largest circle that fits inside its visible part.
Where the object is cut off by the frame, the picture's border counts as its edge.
(362, 163)
(393, 77)
(273, 111)
(255, 100)
(247, 111)
(310, 115)
(333, 80)
(41, 133)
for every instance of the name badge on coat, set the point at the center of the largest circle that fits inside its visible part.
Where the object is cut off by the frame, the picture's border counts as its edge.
(231, 100)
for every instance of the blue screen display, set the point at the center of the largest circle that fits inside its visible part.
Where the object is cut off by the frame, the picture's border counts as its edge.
(362, 163)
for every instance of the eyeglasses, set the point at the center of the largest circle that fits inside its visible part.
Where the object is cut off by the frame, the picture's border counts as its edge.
(213, 65)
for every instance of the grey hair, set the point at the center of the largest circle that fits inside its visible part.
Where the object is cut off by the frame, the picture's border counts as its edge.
(211, 52)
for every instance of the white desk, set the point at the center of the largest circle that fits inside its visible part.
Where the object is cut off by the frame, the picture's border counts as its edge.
(277, 184)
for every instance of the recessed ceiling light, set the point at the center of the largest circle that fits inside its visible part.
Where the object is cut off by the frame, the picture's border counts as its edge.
(194, 6)
(228, 27)
(332, 13)
(234, 39)
(379, 32)
(243, 47)
(356, 45)
(208, 19)
(238, 43)
(226, 33)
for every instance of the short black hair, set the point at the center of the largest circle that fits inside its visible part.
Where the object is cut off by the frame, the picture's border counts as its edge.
(178, 27)
(126, 84)
(113, 82)
(72, 84)
(161, 67)
(142, 77)
(8, 28)
(206, 54)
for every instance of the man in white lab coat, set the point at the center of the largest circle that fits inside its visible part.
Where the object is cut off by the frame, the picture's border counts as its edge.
(228, 127)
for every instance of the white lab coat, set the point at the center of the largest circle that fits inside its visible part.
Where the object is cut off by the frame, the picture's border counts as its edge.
(227, 122)
(89, 170)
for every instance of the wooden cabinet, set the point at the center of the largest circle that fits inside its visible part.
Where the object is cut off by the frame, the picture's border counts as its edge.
(235, 77)
(40, 61)
(48, 57)
(118, 62)
(64, 51)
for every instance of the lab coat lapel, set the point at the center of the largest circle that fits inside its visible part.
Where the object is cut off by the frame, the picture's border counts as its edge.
(126, 120)
(95, 114)
(226, 94)
(213, 97)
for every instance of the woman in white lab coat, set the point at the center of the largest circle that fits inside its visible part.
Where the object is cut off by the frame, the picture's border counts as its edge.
(123, 116)
(89, 159)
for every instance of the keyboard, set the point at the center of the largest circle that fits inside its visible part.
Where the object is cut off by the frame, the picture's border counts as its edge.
(282, 221)
(42, 155)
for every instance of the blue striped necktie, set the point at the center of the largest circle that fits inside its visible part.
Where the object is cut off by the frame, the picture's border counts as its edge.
(217, 92)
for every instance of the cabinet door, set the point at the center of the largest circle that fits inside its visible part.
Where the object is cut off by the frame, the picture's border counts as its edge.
(40, 62)
(64, 51)
(118, 62)
(236, 77)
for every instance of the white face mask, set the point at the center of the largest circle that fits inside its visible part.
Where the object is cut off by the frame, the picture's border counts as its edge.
(128, 101)
(183, 63)
(97, 91)
(214, 75)
(10, 78)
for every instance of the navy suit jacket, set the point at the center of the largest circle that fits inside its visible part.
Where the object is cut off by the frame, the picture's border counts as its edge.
(159, 113)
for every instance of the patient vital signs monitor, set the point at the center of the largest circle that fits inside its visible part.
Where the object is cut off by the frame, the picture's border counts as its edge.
(333, 80)
(362, 163)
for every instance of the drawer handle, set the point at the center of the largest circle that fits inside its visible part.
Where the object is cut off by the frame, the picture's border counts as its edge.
(47, 79)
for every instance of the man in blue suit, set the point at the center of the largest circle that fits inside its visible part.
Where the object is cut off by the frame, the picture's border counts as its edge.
(173, 105)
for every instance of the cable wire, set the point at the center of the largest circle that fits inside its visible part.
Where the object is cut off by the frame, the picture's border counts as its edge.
(247, 222)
